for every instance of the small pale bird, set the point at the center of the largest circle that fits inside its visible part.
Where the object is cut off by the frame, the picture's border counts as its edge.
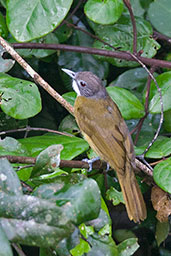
(104, 128)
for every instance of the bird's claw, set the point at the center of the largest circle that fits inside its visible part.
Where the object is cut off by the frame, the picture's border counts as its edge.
(90, 162)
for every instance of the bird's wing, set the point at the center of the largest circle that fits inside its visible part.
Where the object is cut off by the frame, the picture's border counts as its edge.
(105, 130)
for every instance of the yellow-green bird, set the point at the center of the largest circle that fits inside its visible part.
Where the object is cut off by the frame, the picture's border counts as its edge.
(104, 128)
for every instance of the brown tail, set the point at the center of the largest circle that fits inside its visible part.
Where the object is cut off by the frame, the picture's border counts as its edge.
(134, 201)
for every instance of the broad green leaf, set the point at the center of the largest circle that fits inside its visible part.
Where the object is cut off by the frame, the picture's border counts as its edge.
(68, 124)
(137, 8)
(81, 248)
(115, 196)
(79, 61)
(162, 231)
(9, 181)
(9, 123)
(63, 33)
(4, 244)
(164, 82)
(159, 15)
(162, 175)
(128, 247)
(128, 104)
(70, 97)
(131, 79)
(160, 148)
(32, 19)
(122, 234)
(3, 27)
(20, 99)
(73, 146)
(167, 120)
(47, 161)
(121, 35)
(99, 223)
(5, 64)
(34, 234)
(103, 12)
(10, 146)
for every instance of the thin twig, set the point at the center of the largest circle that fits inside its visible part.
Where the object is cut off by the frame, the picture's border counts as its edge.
(124, 55)
(28, 129)
(157, 35)
(18, 249)
(128, 5)
(35, 75)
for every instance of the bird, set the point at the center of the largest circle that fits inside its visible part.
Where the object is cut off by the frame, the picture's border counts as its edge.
(103, 127)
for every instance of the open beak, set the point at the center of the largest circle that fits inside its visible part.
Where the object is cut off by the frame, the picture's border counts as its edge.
(69, 72)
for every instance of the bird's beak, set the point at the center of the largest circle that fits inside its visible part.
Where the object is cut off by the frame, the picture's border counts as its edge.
(69, 72)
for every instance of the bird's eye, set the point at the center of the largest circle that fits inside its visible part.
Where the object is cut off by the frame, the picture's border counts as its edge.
(82, 83)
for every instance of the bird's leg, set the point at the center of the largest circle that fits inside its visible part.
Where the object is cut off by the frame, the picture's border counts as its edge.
(90, 162)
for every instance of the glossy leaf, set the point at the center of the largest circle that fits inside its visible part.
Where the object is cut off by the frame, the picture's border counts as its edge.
(9, 181)
(120, 35)
(128, 104)
(70, 97)
(4, 244)
(35, 18)
(20, 99)
(103, 12)
(162, 175)
(164, 81)
(73, 146)
(128, 247)
(10, 146)
(47, 161)
(131, 79)
(159, 15)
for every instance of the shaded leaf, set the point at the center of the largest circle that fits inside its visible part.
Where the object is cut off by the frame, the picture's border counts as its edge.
(162, 231)
(3, 27)
(122, 234)
(159, 15)
(162, 175)
(128, 247)
(21, 98)
(68, 124)
(5, 64)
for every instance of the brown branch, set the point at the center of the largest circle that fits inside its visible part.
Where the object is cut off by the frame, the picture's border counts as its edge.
(89, 50)
(35, 75)
(128, 5)
(98, 165)
(157, 35)
(28, 129)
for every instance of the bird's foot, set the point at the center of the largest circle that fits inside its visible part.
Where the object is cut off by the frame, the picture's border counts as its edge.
(90, 162)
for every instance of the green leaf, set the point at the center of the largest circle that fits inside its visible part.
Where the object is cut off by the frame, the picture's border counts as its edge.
(164, 81)
(20, 99)
(9, 123)
(162, 175)
(47, 161)
(115, 196)
(73, 146)
(34, 234)
(159, 15)
(137, 8)
(128, 104)
(4, 244)
(162, 231)
(63, 33)
(121, 35)
(70, 97)
(5, 64)
(69, 125)
(103, 12)
(35, 18)
(3, 27)
(122, 234)
(160, 148)
(10, 146)
(81, 248)
(131, 79)
(9, 181)
(128, 247)
(167, 120)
